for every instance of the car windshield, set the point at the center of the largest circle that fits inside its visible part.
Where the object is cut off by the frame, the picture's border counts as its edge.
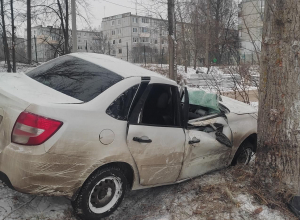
(75, 77)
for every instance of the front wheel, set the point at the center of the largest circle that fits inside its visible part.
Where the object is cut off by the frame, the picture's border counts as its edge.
(243, 154)
(101, 194)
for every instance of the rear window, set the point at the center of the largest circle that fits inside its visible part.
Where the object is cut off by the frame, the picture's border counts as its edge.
(75, 77)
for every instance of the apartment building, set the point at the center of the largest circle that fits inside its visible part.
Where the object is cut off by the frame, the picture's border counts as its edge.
(133, 37)
(251, 14)
(48, 42)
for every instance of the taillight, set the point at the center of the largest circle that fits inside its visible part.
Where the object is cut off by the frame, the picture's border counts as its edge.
(31, 129)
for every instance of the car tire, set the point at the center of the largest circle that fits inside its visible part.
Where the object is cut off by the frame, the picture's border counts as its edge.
(101, 194)
(243, 154)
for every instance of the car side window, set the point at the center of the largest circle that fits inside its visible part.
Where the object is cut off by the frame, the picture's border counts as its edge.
(161, 107)
(119, 108)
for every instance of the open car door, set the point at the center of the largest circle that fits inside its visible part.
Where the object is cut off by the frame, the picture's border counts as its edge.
(208, 145)
(156, 136)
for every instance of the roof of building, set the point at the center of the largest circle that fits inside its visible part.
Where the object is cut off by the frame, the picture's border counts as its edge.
(121, 67)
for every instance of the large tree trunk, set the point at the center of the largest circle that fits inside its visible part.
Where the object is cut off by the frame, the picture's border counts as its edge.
(278, 156)
(5, 38)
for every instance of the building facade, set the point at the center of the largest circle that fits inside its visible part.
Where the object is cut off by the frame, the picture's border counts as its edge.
(251, 14)
(134, 38)
(48, 42)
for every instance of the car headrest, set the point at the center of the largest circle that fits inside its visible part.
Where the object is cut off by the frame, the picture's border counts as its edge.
(162, 101)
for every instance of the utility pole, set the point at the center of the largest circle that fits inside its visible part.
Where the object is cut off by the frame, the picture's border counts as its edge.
(13, 35)
(74, 30)
(29, 31)
(171, 19)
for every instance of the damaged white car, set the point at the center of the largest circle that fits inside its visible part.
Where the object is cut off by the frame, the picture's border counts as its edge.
(90, 127)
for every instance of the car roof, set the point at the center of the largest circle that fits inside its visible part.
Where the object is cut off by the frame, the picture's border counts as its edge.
(120, 67)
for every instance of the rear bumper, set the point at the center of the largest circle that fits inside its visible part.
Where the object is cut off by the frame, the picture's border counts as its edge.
(43, 174)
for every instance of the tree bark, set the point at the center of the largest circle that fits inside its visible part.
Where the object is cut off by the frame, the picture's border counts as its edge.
(278, 154)
(67, 28)
(29, 31)
(171, 12)
(5, 38)
(13, 35)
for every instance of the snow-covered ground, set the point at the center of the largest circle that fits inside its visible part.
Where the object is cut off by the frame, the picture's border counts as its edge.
(225, 194)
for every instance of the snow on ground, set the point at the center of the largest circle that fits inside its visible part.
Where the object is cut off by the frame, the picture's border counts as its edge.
(220, 195)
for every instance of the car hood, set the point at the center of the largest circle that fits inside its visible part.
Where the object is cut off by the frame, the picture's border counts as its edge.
(21, 88)
(237, 107)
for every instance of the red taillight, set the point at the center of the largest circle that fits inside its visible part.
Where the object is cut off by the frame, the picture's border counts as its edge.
(31, 129)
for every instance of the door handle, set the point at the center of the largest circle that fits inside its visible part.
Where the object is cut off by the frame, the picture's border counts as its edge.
(140, 140)
(194, 141)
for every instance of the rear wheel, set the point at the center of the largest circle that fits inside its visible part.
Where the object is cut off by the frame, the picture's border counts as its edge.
(101, 194)
(243, 154)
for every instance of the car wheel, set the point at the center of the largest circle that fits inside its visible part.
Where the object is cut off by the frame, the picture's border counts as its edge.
(243, 154)
(101, 195)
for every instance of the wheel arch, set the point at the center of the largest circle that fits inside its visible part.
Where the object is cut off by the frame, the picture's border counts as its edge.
(252, 139)
(126, 168)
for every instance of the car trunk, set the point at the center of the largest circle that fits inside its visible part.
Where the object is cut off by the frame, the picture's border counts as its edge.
(17, 92)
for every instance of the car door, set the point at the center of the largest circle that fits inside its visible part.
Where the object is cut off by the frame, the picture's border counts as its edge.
(155, 136)
(208, 145)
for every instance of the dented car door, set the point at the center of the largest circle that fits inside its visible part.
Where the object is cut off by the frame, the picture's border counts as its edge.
(207, 148)
(155, 134)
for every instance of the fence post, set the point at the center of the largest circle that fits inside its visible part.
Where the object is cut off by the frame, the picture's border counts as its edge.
(162, 56)
(127, 50)
(36, 60)
(145, 54)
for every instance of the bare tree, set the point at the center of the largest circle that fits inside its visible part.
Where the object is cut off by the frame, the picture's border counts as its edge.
(6, 50)
(13, 35)
(28, 3)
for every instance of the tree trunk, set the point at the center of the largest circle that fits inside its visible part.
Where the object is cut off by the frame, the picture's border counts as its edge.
(278, 156)
(171, 11)
(13, 35)
(5, 38)
(67, 28)
(207, 47)
(29, 31)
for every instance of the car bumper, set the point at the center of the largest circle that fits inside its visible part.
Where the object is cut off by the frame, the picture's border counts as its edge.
(41, 173)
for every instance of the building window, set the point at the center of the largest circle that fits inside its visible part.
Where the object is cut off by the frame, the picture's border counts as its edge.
(119, 21)
(120, 50)
(144, 30)
(145, 20)
(120, 41)
(113, 32)
(162, 41)
(135, 20)
(114, 41)
(119, 31)
(79, 40)
(135, 40)
(112, 23)
(155, 41)
(145, 39)
(134, 30)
